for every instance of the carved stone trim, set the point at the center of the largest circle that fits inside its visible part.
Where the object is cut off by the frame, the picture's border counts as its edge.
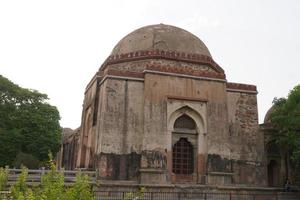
(158, 54)
(180, 70)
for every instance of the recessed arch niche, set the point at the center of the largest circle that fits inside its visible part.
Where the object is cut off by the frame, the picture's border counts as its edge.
(187, 128)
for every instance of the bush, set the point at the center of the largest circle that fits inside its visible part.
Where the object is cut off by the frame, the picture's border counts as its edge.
(20, 189)
(52, 186)
(3, 178)
(27, 160)
(81, 190)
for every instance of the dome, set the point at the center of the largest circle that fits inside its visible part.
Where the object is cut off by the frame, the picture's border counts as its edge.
(268, 115)
(162, 37)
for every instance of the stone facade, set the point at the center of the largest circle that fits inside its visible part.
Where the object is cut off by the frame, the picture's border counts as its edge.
(161, 111)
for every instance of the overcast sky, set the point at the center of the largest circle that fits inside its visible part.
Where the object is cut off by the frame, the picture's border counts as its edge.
(57, 46)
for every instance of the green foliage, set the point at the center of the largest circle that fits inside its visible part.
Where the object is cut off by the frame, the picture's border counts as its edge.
(27, 160)
(52, 185)
(51, 188)
(137, 195)
(19, 190)
(11, 143)
(286, 118)
(81, 190)
(28, 123)
(3, 178)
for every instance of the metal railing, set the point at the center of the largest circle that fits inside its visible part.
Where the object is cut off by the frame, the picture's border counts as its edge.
(125, 195)
(121, 195)
(34, 176)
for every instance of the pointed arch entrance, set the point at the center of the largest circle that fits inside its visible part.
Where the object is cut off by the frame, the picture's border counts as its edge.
(183, 149)
(187, 160)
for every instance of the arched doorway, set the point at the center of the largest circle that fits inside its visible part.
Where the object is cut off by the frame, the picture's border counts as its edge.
(273, 173)
(184, 146)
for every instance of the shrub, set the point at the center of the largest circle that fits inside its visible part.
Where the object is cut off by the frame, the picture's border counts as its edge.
(19, 190)
(81, 190)
(52, 187)
(27, 160)
(137, 195)
(3, 178)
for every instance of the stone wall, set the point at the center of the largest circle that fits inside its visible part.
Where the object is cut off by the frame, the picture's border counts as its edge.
(246, 142)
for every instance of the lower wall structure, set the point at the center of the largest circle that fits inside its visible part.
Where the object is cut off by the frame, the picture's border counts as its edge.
(119, 190)
(118, 167)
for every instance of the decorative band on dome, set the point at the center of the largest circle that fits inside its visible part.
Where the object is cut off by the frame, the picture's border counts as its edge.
(180, 70)
(160, 54)
(164, 69)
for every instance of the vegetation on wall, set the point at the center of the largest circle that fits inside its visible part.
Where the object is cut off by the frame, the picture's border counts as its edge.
(286, 119)
(29, 126)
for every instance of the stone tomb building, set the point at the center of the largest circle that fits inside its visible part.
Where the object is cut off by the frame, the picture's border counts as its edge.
(160, 111)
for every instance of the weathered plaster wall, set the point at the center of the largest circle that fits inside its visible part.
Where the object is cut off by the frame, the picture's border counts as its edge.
(120, 128)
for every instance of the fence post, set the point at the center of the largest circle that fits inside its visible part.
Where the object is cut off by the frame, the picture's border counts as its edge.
(229, 196)
(96, 175)
(179, 195)
(205, 196)
(42, 173)
(253, 196)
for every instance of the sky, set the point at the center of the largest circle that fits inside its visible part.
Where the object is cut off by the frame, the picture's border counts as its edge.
(57, 46)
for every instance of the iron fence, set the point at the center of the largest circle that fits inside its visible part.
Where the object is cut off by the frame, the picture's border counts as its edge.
(125, 195)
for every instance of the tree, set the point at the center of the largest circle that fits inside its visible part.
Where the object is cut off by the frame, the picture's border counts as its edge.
(28, 123)
(286, 119)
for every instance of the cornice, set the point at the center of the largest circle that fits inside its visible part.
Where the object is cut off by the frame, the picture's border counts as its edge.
(238, 87)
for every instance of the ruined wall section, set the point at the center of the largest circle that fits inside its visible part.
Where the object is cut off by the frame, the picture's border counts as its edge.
(246, 142)
(87, 132)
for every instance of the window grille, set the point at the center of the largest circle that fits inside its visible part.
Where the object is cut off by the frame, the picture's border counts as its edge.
(183, 161)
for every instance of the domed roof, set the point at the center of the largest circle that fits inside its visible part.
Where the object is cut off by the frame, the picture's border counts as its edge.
(162, 37)
(268, 114)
